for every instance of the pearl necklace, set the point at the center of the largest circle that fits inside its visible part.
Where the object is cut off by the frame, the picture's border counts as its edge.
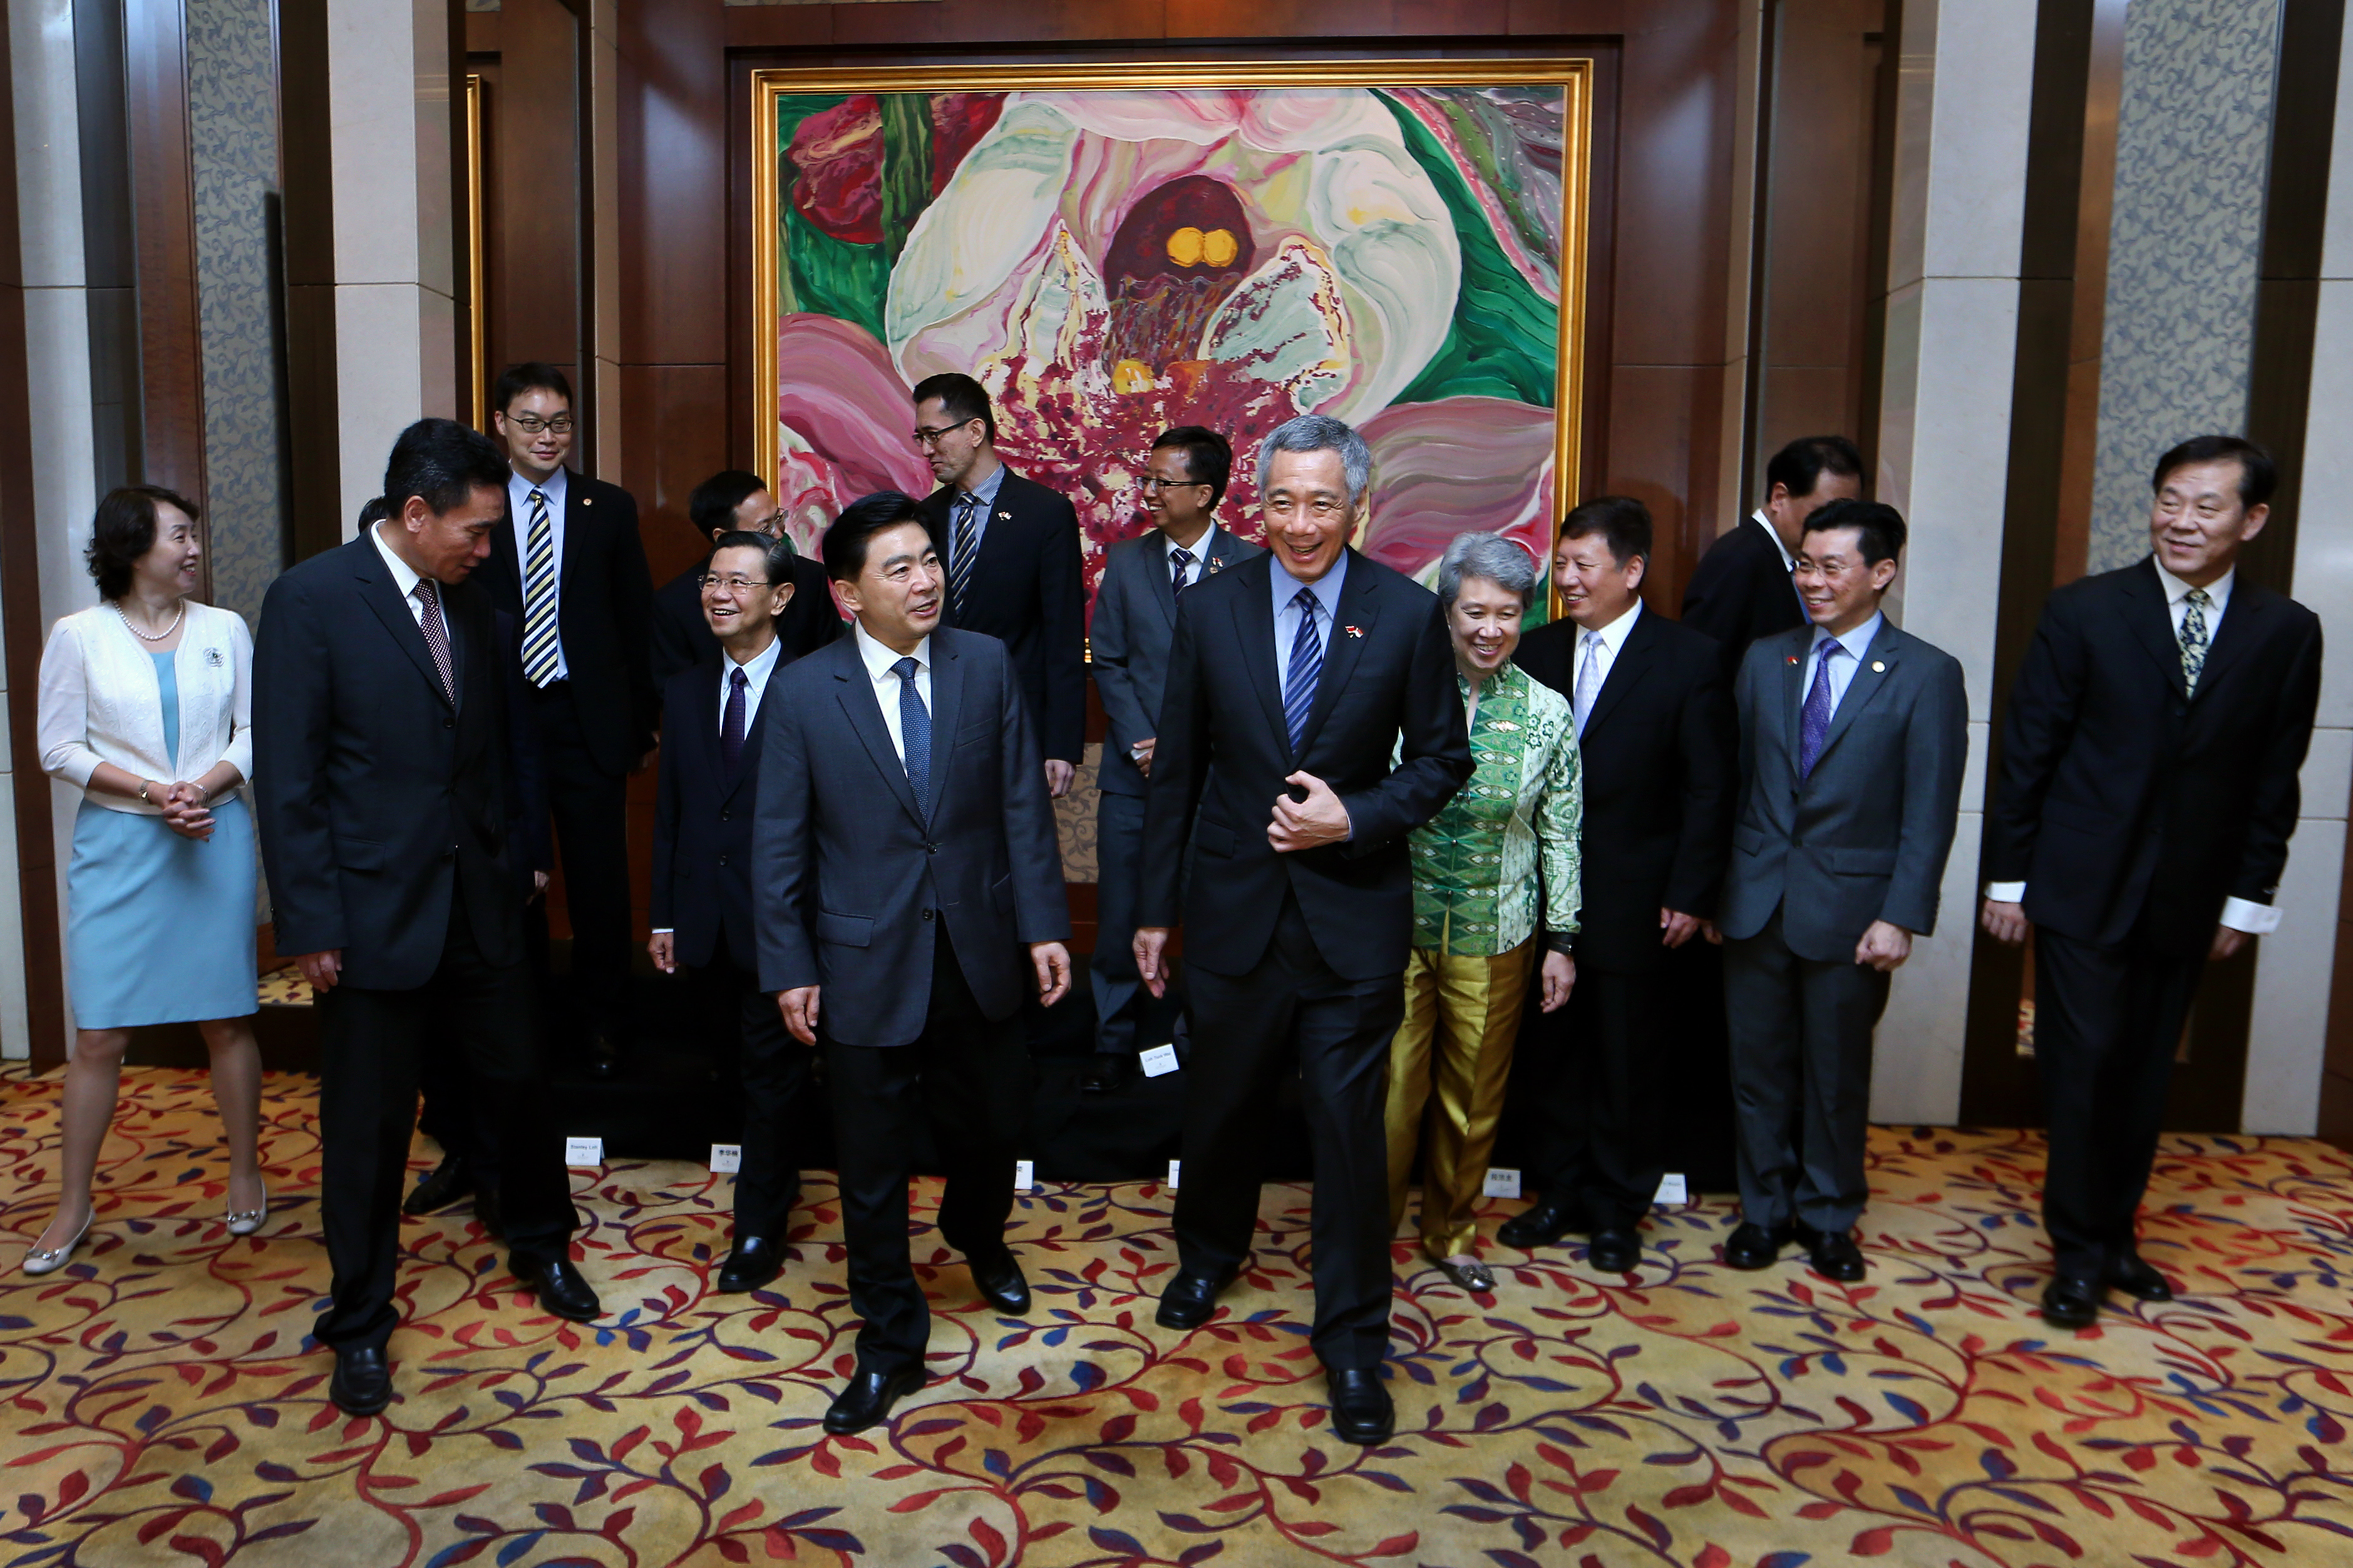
(159, 636)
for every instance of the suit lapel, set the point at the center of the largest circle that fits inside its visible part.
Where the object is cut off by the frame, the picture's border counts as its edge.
(2152, 622)
(1350, 627)
(1626, 671)
(704, 716)
(865, 715)
(1153, 561)
(947, 712)
(1254, 627)
(1793, 696)
(2242, 627)
(1877, 667)
(383, 597)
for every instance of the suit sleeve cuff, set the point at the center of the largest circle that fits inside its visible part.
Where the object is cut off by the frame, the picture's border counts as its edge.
(2255, 918)
(2006, 892)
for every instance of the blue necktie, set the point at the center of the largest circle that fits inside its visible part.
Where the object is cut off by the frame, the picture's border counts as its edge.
(1177, 560)
(1306, 667)
(967, 552)
(915, 735)
(1815, 728)
(731, 728)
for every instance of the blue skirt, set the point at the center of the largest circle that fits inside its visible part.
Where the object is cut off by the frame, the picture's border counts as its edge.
(159, 929)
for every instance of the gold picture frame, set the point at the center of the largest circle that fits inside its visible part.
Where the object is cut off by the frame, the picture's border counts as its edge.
(1573, 75)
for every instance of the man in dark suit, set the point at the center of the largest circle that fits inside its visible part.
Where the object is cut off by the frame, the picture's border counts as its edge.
(379, 726)
(732, 500)
(703, 876)
(2148, 788)
(1294, 679)
(906, 877)
(1741, 589)
(1135, 621)
(1853, 737)
(1654, 729)
(569, 565)
(1010, 549)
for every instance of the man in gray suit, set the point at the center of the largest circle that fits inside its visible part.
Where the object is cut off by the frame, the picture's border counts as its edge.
(1853, 737)
(1135, 622)
(908, 892)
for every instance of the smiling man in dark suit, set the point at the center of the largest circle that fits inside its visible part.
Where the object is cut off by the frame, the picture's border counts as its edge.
(569, 566)
(380, 768)
(908, 891)
(1010, 549)
(703, 876)
(1654, 729)
(2148, 787)
(1742, 588)
(1311, 719)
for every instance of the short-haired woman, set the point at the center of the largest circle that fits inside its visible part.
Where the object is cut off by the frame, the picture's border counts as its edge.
(1480, 910)
(146, 707)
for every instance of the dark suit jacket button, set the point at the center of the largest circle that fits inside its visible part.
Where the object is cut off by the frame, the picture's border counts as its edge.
(447, 722)
(930, 849)
(927, 914)
(723, 859)
(722, 817)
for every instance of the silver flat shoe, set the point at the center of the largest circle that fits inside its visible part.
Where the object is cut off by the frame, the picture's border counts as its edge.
(50, 1260)
(1472, 1277)
(245, 1222)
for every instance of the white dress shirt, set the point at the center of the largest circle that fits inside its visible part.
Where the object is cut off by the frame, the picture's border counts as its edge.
(1596, 651)
(1199, 549)
(2239, 914)
(1789, 562)
(756, 670)
(519, 502)
(1857, 643)
(879, 660)
(404, 578)
(1327, 590)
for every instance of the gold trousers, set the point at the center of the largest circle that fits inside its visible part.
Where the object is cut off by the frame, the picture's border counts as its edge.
(1448, 1064)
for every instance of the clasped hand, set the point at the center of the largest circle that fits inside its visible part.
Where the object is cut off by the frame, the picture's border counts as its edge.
(1304, 824)
(186, 812)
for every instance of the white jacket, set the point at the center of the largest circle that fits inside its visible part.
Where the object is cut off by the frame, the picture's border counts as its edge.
(101, 701)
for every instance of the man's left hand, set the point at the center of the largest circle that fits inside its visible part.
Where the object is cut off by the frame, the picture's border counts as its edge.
(1058, 778)
(1053, 961)
(1304, 824)
(2227, 942)
(1679, 927)
(1559, 977)
(1885, 947)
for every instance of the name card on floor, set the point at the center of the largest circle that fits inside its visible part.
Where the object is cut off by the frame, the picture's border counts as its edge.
(1501, 1183)
(1673, 1189)
(584, 1151)
(1159, 1059)
(726, 1159)
(1176, 1167)
(1025, 1177)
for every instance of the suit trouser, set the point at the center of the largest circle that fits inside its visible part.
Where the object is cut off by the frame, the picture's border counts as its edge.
(2107, 1022)
(1800, 1079)
(1598, 1111)
(589, 809)
(1293, 1011)
(766, 1071)
(1449, 1062)
(1126, 1015)
(370, 1045)
(969, 1078)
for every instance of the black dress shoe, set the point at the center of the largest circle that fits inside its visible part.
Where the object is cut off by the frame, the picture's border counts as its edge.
(1361, 1411)
(1104, 1071)
(1614, 1252)
(867, 1401)
(487, 1210)
(2138, 1279)
(559, 1286)
(444, 1184)
(363, 1381)
(603, 1057)
(1541, 1226)
(2071, 1303)
(998, 1280)
(755, 1261)
(1833, 1255)
(1754, 1247)
(1189, 1300)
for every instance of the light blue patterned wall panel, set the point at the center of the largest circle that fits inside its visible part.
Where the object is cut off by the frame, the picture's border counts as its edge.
(2193, 141)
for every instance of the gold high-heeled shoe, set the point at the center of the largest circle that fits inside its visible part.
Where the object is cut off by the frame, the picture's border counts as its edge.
(50, 1260)
(245, 1222)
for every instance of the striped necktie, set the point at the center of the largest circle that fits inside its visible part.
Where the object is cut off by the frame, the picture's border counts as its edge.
(966, 547)
(1307, 668)
(539, 641)
(437, 636)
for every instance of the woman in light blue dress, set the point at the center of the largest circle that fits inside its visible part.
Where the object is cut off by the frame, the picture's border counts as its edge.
(146, 707)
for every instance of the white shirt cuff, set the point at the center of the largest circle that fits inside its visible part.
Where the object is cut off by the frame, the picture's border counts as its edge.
(2006, 892)
(663, 931)
(2256, 919)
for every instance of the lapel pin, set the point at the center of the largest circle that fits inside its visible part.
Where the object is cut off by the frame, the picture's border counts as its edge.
(1877, 667)
(1005, 516)
(1214, 564)
(1793, 658)
(587, 500)
(1356, 631)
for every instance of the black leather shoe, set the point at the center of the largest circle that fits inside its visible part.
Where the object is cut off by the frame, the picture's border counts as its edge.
(1104, 1071)
(1188, 1300)
(603, 1057)
(363, 1381)
(487, 1210)
(1541, 1226)
(998, 1280)
(1361, 1411)
(1614, 1252)
(755, 1261)
(2138, 1280)
(559, 1286)
(444, 1184)
(1754, 1247)
(2071, 1303)
(1833, 1255)
(867, 1401)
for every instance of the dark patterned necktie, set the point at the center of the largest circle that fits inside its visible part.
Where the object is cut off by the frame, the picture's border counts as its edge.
(1307, 668)
(2194, 637)
(914, 734)
(437, 636)
(1814, 732)
(966, 547)
(1178, 559)
(731, 729)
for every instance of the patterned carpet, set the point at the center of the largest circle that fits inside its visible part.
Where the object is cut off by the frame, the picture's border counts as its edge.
(164, 1406)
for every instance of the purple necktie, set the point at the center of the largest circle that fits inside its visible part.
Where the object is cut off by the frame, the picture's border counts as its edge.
(731, 729)
(1815, 728)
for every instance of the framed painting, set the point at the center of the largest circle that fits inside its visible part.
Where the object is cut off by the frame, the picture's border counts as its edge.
(1113, 250)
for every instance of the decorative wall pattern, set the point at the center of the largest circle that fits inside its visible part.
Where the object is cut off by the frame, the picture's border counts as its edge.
(2193, 143)
(233, 138)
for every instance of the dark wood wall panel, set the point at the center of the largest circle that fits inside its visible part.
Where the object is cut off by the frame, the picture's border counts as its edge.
(162, 199)
(678, 440)
(536, 312)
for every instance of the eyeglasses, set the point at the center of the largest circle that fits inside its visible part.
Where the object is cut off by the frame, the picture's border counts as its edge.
(531, 424)
(732, 584)
(1155, 482)
(927, 436)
